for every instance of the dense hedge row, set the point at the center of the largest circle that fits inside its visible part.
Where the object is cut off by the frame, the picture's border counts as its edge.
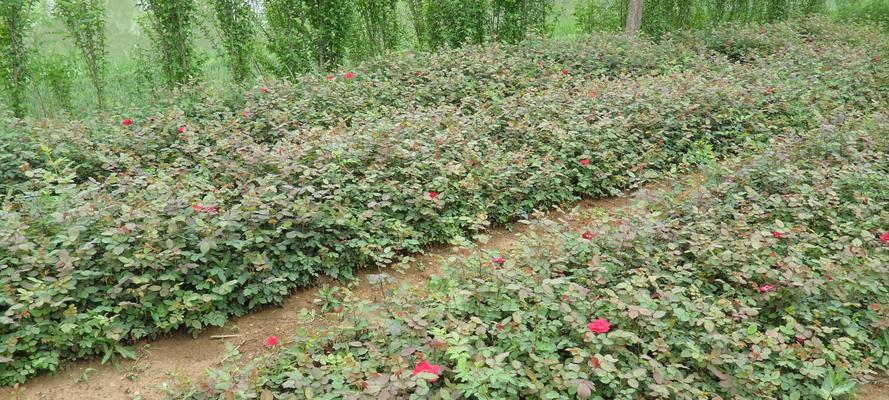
(471, 78)
(183, 229)
(770, 280)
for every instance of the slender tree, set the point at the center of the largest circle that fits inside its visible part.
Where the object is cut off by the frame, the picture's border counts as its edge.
(415, 8)
(597, 15)
(85, 23)
(634, 17)
(171, 23)
(309, 34)
(14, 25)
(378, 23)
(514, 20)
(235, 20)
(456, 23)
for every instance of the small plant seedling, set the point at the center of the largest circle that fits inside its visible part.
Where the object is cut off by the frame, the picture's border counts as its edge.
(85, 375)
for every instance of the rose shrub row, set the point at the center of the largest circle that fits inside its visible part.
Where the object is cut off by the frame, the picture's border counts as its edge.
(188, 228)
(765, 280)
(470, 78)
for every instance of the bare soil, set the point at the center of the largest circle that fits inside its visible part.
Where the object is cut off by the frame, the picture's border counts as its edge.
(182, 357)
(875, 391)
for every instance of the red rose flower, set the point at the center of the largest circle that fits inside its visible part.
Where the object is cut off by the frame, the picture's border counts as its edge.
(585, 162)
(765, 288)
(433, 195)
(564, 72)
(330, 77)
(182, 129)
(777, 235)
(594, 362)
(600, 325)
(588, 235)
(885, 238)
(271, 341)
(127, 122)
(265, 90)
(498, 260)
(349, 75)
(426, 367)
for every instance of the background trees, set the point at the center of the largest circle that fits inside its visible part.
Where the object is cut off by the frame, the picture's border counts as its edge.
(171, 25)
(14, 25)
(235, 21)
(56, 57)
(85, 23)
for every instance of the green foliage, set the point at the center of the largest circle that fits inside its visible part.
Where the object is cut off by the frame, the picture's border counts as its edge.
(379, 26)
(85, 23)
(236, 21)
(14, 68)
(516, 20)
(664, 16)
(680, 278)
(660, 16)
(171, 24)
(876, 11)
(111, 233)
(417, 20)
(308, 35)
(360, 29)
(599, 15)
(760, 10)
(455, 23)
(56, 73)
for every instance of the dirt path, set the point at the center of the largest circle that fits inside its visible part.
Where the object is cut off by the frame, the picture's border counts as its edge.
(875, 391)
(182, 357)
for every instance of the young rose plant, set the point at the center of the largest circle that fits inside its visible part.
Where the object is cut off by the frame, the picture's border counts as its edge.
(321, 182)
(680, 287)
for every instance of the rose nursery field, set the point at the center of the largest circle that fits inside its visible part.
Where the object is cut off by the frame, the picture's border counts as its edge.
(762, 273)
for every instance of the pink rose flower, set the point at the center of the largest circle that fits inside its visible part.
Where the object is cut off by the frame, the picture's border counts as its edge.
(426, 367)
(600, 325)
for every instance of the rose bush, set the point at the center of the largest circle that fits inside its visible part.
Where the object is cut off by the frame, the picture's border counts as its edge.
(671, 286)
(110, 234)
(470, 78)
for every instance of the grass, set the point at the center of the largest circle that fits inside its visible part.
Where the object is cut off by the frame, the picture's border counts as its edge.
(875, 11)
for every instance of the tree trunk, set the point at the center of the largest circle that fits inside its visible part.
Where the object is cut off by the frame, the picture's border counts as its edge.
(634, 17)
